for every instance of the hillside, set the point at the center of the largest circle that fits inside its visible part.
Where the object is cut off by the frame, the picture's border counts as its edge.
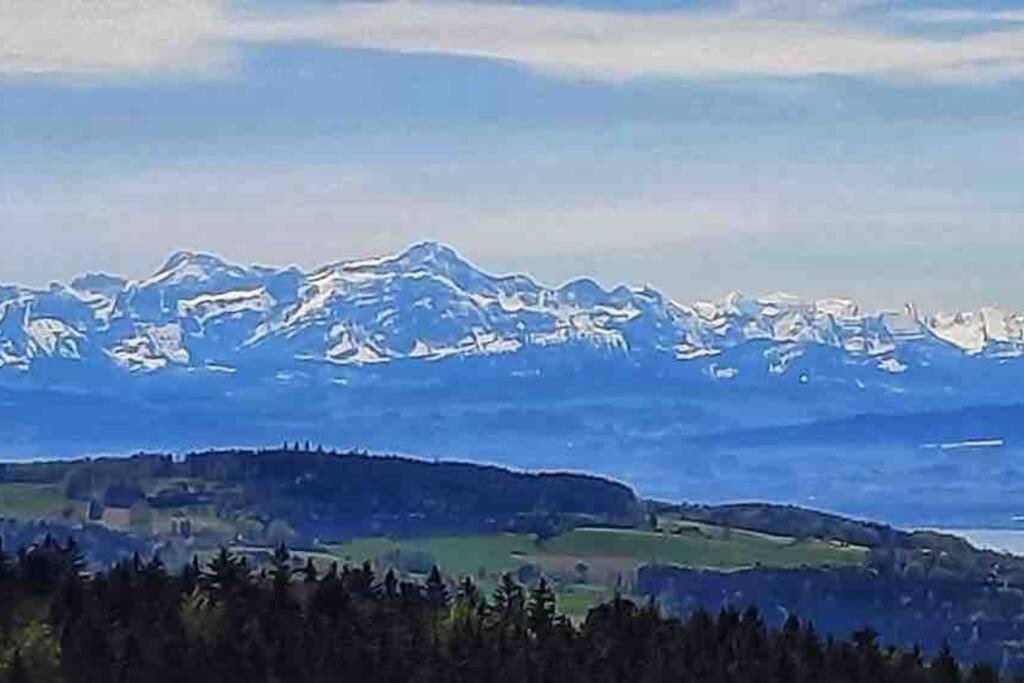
(308, 493)
(590, 538)
(307, 497)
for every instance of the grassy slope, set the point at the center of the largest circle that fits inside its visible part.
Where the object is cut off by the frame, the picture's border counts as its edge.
(705, 546)
(31, 500)
(735, 551)
(457, 555)
(591, 563)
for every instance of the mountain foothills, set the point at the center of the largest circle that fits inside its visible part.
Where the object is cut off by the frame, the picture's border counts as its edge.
(226, 546)
(895, 414)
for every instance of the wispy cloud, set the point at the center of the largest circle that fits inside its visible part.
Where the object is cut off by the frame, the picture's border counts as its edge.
(113, 36)
(940, 15)
(773, 38)
(803, 8)
(617, 46)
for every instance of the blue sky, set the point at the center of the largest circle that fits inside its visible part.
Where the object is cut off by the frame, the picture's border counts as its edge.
(829, 147)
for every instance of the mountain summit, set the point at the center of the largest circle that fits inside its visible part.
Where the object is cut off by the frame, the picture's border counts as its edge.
(427, 304)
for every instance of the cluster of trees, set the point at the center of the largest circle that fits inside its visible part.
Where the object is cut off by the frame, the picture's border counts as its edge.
(980, 620)
(334, 495)
(102, 545)
(226, 622)
(326, 494)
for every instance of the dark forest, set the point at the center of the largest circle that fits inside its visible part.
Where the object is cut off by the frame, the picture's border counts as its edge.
(224, 622)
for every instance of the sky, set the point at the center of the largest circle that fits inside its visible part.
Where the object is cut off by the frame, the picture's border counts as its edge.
(822, 147)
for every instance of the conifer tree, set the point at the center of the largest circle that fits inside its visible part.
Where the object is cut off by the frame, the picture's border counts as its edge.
(436, 590)
(390, 584)
(541, 609)
(310, 571)
(944, 667)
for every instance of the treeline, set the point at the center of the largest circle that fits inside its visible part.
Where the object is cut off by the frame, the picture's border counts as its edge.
(790, 520)
(224, 622)
(980, 621)
(103, 546)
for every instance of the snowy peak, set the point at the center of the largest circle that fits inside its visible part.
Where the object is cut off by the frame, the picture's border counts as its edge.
(428, 303)
(195, 268)
(199, 262)
(975, 332)
(431, 256)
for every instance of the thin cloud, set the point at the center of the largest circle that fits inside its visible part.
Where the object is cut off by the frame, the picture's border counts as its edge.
(963, 16)
(626, 45)
(803, 8)
(695, 235)
(113, 36)
(751, 39)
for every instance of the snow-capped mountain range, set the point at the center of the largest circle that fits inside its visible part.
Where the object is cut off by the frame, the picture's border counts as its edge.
(909, 416)
(426, 304)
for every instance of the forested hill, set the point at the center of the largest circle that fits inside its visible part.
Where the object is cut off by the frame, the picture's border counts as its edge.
(317, 493)
(225, 623)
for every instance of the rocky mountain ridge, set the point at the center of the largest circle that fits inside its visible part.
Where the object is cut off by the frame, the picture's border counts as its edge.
(201, 313)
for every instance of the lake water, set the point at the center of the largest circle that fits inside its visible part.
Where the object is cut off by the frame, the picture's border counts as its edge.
(1003, 540)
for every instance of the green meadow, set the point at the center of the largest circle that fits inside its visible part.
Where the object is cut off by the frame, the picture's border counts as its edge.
(29, 501)
(591, 563)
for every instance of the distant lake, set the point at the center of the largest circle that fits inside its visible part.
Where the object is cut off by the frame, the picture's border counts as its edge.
(1003, 540)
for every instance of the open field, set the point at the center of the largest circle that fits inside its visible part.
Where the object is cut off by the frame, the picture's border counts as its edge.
(707, 547)
(31, 500)
(692, 544)
(589, 564)
(471, 555)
